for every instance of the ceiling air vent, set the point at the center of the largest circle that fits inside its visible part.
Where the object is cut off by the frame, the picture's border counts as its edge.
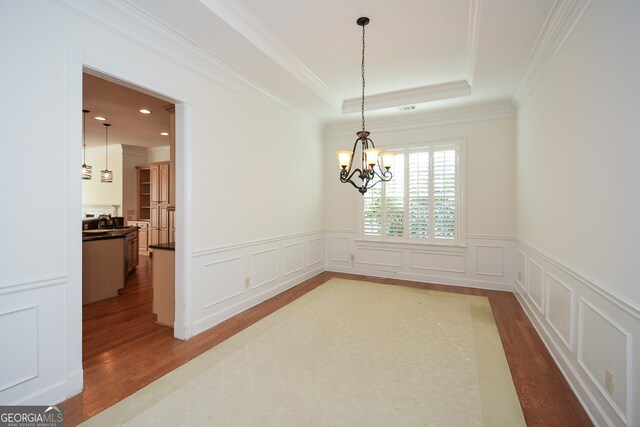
(407, 108)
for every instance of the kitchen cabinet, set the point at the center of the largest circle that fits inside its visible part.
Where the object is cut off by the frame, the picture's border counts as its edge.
(164, 273)
(144, 192)
(143, 236)
(159, 202)
(172, 224)
(131, 258)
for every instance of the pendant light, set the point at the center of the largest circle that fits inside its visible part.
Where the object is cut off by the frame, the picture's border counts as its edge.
(374, 166)
(86, 169)
(106, 175)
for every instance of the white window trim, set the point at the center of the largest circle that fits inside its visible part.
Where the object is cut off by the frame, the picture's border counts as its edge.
(461, 174)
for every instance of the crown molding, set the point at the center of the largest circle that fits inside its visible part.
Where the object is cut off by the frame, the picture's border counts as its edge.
(130, 20)
(132, 150)
(472, 38)
(240, 19)
(417, 119)
(416, 95)
(561, 21)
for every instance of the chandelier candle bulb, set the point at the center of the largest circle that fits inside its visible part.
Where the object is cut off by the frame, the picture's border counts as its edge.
(372, 156)
(344, 157)
(387, 159)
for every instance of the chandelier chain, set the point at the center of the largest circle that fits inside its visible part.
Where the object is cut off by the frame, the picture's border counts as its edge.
(362, 68)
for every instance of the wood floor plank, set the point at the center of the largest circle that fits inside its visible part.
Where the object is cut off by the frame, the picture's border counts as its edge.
(125, 350)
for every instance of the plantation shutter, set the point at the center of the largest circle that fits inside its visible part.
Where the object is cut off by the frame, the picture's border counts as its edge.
(394, 200)
(444, 194)
(419, 195)
(372, 221)
(421, 203)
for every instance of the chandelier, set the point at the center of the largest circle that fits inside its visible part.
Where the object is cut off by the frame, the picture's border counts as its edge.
(106, 176)
(374, 166)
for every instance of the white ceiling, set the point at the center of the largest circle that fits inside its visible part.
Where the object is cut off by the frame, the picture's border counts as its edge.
(308, 52)
(121, 105)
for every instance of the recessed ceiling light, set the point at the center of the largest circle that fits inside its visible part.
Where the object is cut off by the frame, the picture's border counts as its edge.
(164, 133)
(145, 111)
(102, 119)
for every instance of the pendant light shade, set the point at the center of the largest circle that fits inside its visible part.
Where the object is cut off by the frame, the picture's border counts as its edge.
(86, 169)
(106, 176)
(365, 169)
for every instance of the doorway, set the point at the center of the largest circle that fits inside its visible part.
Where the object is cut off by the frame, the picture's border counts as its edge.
(78, 64)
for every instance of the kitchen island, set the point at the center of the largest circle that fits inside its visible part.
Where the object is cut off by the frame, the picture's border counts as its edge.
(108, 256)
(164, 289)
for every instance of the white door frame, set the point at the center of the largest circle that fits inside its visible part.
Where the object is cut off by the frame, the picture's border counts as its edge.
(77, 61)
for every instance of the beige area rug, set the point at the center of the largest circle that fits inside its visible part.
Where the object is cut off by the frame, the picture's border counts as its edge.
(347, 353)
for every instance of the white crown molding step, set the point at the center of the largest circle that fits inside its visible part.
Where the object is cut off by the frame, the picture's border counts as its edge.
(473, 35)
(562, 19)
(417, 119)
(239, 18)
(416, 95)
(126, 18)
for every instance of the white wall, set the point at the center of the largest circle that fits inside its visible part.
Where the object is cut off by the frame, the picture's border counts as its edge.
(94, 191)
(249, 163)
(577, 210)
(487, 259)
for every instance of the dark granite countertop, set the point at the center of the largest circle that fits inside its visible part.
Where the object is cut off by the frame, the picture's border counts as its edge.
(164, 246)
(109, 233)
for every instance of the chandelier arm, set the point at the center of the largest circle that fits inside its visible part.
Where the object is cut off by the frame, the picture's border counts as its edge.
(348, 176)
(384, 176)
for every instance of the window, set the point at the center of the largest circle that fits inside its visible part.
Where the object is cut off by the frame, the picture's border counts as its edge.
(423, 201)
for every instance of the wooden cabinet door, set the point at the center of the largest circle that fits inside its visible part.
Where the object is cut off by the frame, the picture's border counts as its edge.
(164, 224)
(154, 178)
(163, 196)
(143, 239)
(154, 217)
(172, 225)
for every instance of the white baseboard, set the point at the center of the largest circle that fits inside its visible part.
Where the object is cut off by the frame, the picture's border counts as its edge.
(438, 280)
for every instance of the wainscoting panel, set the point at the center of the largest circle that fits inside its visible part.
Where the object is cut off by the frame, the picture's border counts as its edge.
(229, 280)
(375, 256)
(339, 249)
(221, 281)
(293, 258)
(604, 344)
(593, 335)
(521, 272)
(450, 263)
(486, 262)
(264, 267)
(560, 309)
(19, 330)
(33, 337)
(489, 260)
(314, 251)
(535, 283)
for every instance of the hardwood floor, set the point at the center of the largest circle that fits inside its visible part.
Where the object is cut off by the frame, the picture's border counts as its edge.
(124, 350)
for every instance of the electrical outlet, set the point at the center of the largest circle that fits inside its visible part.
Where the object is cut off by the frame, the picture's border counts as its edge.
(520, 276)
(247, 282)
(353, 257)
(608, 381)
